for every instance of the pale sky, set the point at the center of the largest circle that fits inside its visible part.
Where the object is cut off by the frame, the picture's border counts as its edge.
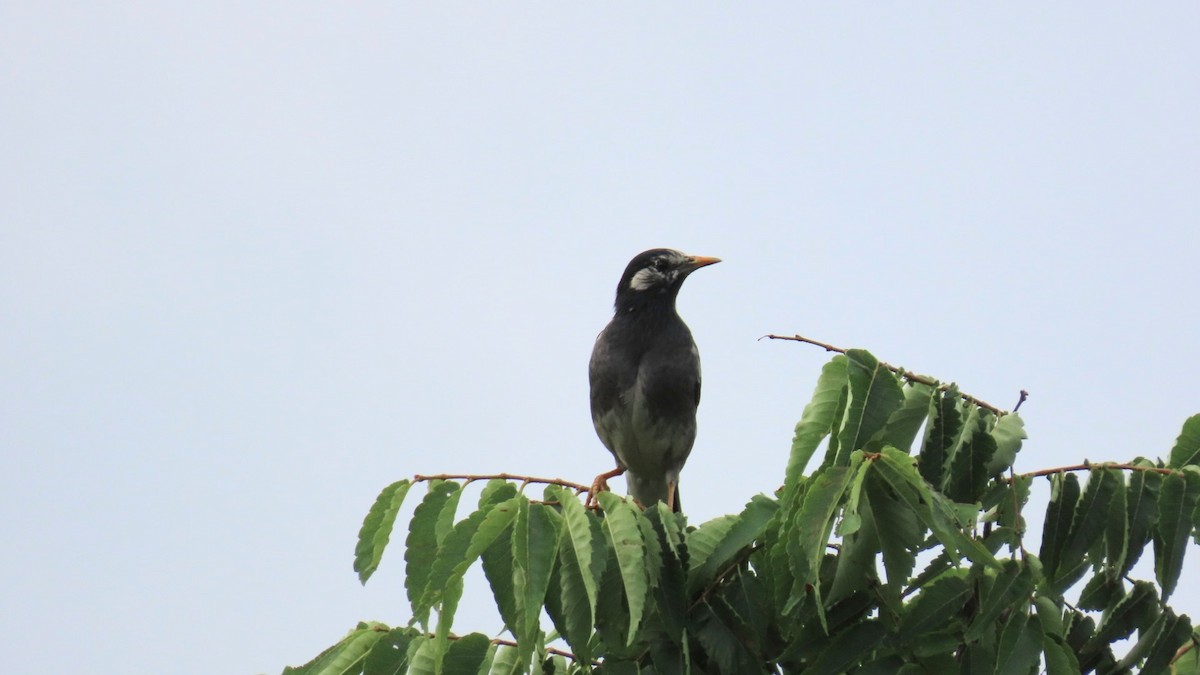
(261, 260)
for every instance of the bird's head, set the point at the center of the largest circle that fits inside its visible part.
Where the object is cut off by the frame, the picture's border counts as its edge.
(656, 276)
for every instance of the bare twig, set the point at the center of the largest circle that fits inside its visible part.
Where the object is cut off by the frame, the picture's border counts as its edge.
(1024, 395)
(911, 377)
(525, 480)
(1087, 466)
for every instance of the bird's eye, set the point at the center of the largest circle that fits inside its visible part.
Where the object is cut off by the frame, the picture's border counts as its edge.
(661, 264)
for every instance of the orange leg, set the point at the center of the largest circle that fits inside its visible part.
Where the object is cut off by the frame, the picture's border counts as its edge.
(671, 485)
(600, 484)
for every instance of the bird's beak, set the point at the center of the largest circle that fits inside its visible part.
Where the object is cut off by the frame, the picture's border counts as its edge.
(695, 262)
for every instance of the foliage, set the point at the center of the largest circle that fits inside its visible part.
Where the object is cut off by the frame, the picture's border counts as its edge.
(902, 552)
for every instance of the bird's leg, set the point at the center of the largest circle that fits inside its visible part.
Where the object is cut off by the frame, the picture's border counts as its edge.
(600, 484)
(671, 485)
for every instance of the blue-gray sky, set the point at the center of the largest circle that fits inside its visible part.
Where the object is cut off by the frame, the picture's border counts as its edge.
(260, 260)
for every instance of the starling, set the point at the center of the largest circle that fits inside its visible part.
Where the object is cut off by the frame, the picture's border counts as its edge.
(645, 378)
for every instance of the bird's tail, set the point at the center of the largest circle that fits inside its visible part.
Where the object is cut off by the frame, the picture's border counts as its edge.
(648, 491)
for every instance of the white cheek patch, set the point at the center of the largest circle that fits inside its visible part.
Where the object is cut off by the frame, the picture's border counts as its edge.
(644, 279)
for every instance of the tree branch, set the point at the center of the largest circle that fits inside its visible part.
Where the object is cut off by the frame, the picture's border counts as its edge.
(911, 377)
(525, 480)
(1087, 466)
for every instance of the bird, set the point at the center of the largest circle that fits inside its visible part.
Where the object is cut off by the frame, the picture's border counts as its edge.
(644, 376)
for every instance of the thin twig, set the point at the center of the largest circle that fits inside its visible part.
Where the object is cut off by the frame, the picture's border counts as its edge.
(911, 377)
(1024, 395)
(525, 480)
(1087, 466)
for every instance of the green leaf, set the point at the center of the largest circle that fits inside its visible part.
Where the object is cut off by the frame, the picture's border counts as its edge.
(507, 661)
(937, 604)
(1187, 446)
(904, 423)
(671, 592)
(424, 536)
(345, 657)
(740, 532)
(816, 422)
(934, 510)
(422, 657)
(875, 393)
(941, 433)
(389, 656)
(578, 573)
(969, 465)
(1008, 434)
(848, 648)
(1064, 495)
(468, 540)
(498, 568)
(1020, 644)
(1009, 588)
(1171, 633)
(466, 655)
(536, 532)
(377, 529)
(701, 543)
(1176, 505)
(1135, 611)
(625, 536)
(1141, 507)
(1116, 528)
(1060, 660)
(446, 609)
(814, 520)
(1087, 525)
(899, 530)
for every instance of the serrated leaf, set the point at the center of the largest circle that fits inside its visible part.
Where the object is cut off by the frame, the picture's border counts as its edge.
(899, 530)
(422, 657)
(450, 597)
(424, 537)
(848, 648)
(935, 605)
(468, 540)
(1172, 633)
(389, 656)
(1060, 660)
(702, 542)
(1116, 528)
(875, 393)
(1187, 446)
(671, 592)
(1136, 611)
(941, 432)
(937, 513)
(498, 568)
(1056, 530)
(1087, 527)
(347, 656)
(625, 536)
(814, 520)
(969, 465)
(1008, 434)
(904, 423)
(1141, 507)
(816, 422)
(466, 655)
(742, 531)
(377, 529)
(536, 532)
(1020, 643)
(1010, 588)
(577, 574)
(1176, 505)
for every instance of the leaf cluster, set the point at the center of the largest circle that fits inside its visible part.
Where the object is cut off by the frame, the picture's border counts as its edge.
(903, 551)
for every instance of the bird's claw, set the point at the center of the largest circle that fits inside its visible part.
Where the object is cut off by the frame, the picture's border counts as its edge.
(600, 484)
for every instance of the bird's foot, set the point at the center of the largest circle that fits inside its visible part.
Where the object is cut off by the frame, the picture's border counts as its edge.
(600, 484)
